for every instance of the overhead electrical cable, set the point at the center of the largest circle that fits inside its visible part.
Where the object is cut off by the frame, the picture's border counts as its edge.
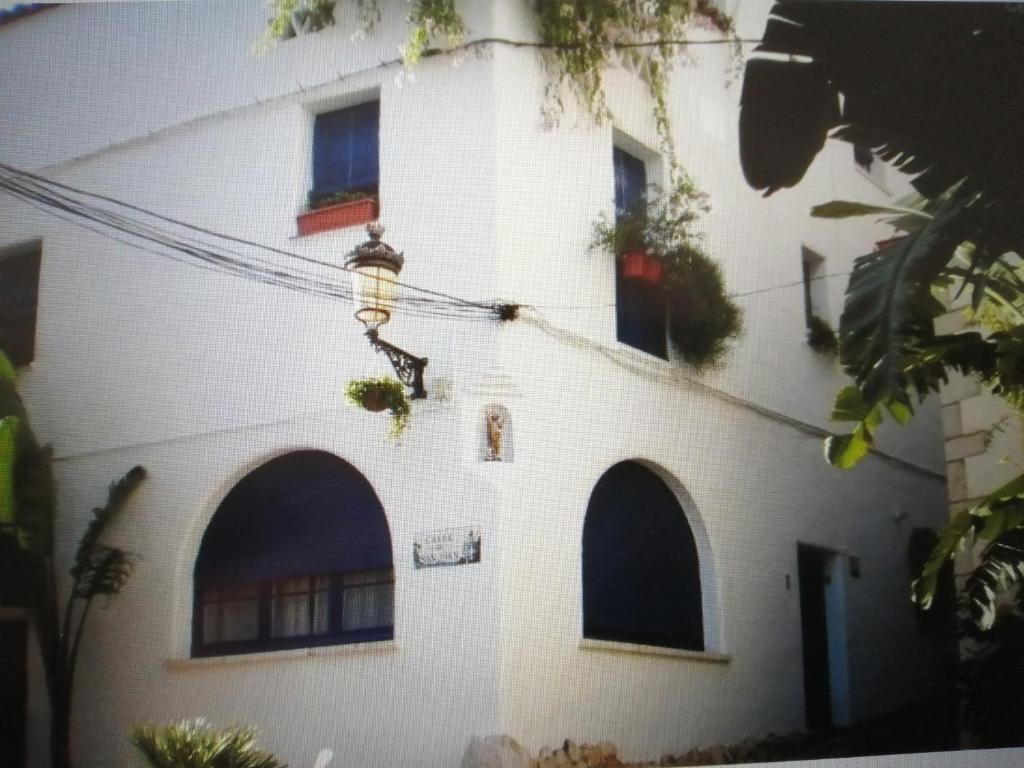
(193, 243)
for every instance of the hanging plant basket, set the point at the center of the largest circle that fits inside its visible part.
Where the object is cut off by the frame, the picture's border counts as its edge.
(377, 395)
(374, 400)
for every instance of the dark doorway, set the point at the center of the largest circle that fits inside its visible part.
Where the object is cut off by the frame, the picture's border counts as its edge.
(814, 629)
(13, 689)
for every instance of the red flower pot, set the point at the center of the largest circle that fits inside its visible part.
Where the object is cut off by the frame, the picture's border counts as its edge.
(640, 265)
(373, 401)
(337, 216)
(633, 264)
(652, 270)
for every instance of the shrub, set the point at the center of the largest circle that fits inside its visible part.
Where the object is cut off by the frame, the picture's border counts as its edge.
(194, 744)
(820, 336)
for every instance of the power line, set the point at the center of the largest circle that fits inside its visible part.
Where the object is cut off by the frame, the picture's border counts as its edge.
(44, 193)
(195, 246)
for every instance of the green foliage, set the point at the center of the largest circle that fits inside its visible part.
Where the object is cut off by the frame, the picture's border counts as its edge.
(820, 336)
(194, 744)
(9, 427)
(583, 39)
(100, 569)
(580, 41)
(702, 319)
(291, 16)
(889, 348)
(6, 368)
(26, 478)
(430, 20)
(27, 508)
(992, 683)
(378, 394)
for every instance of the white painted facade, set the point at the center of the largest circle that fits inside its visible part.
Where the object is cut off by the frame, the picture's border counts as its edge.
(201, 378)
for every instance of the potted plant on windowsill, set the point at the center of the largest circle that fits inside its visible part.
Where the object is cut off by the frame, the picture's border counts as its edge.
(628, 238)
(376, 395)
(343, 209)
(701, 317)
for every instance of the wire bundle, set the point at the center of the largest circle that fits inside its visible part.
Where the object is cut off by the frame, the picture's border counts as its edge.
(206, 249)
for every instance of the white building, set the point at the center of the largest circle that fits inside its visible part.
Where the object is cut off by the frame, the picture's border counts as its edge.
(204, 378)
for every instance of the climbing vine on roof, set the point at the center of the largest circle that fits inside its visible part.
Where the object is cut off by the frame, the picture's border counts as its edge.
(579, 40)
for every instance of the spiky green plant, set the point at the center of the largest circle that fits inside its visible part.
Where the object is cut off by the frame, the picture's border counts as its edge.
(27, 508)
(195, 744)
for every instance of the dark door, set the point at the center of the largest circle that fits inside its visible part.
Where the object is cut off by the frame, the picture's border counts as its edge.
(13, 689)
(814, 629)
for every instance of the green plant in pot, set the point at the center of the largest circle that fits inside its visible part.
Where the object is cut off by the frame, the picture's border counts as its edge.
(382, 394)
(702, 319)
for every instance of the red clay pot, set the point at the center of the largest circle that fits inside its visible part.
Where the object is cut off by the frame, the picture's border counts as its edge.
(633, 264)
(337, 216)
(374, 400)
(640, 265)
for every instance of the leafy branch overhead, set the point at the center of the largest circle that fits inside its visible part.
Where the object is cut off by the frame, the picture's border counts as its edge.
(891, 351)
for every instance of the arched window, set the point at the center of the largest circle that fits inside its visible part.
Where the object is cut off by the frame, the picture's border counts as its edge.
(641, 575)
(297, 554)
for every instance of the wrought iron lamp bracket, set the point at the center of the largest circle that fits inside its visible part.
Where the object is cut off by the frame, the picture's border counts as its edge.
(408, 368)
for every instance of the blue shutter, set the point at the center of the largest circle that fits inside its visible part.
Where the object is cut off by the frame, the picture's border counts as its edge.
(365, 130)
(641, 575)
(640, 316)
(630, 182)
(345, 150)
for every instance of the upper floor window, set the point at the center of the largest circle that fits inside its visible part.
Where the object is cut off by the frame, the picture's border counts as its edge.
(298, 554)
(345, 152)
(640, 319)
(641, 573)
(19, 300)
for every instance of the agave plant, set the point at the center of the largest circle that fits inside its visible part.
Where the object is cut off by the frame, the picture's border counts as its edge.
(195, 744)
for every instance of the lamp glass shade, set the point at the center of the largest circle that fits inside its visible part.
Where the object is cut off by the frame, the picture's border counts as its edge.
(374, 291)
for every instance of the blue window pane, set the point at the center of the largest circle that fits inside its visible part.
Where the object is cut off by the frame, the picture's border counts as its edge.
(641, 575)
(630, 182)
(345, 150)
(640, 316)
(365, 130)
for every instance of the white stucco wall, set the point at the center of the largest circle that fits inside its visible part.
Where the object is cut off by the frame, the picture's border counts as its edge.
(202, 377)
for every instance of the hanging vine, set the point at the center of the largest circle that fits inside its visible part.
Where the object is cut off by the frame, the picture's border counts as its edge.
(579, 41)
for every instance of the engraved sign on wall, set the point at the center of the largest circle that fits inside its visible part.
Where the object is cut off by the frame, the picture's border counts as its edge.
(451, 546)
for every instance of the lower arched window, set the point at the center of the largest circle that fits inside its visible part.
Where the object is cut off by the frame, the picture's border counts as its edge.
(641, 574)
(297, 554)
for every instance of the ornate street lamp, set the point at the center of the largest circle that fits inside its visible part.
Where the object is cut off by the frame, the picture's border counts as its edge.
(375, 266)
